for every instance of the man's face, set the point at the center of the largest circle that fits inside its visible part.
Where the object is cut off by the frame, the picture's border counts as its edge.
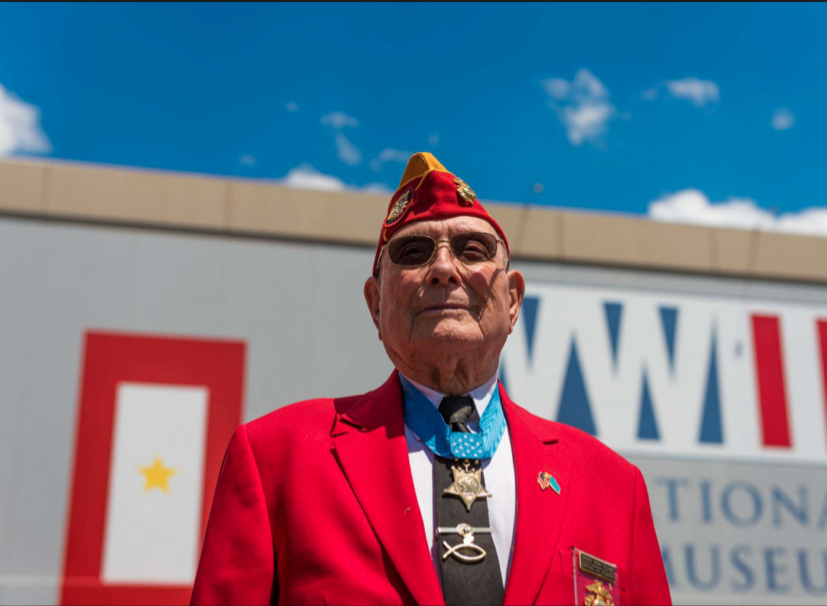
(445, 306)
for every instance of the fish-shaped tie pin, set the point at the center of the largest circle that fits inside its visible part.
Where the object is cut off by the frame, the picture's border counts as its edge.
(546, 480)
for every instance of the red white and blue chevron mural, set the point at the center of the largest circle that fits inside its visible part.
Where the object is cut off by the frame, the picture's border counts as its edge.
(683, 374)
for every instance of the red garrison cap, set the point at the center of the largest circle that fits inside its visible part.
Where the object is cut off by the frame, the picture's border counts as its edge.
(426, 192)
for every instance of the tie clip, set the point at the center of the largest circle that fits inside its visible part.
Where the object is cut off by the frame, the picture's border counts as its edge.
(461, 529)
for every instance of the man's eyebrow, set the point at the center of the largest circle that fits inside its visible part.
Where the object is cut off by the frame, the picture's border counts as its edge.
(466, 231)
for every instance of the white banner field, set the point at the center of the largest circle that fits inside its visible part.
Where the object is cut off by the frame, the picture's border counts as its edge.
(153, 529)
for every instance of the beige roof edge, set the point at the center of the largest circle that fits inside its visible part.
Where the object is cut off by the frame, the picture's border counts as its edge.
(170, 200)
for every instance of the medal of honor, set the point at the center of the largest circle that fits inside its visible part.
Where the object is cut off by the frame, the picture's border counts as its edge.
(429, 426)
(467, 485)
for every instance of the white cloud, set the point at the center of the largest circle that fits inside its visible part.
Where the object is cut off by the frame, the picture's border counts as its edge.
(305, 176)
(346, 151)
(557, 88)
(389, 155)
(433, 140)
(376, 188)
(693, 206)
(582, 106)
(699, 92)
(810, 221)
(650, 94)
(783, 119)
(20, 129)
(292, 106)
(586, 121)
(339, 120)
(248, 160)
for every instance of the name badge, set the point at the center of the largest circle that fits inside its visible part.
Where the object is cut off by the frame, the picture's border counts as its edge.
(596, 581)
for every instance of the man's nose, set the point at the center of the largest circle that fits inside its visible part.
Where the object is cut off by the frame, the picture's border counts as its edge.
(443, 269)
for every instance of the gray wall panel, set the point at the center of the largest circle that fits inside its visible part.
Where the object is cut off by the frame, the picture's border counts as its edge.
(31, 591)
(21, 359)
(299, 308)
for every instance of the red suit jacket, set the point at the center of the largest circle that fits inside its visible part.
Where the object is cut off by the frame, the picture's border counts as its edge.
(315, 504)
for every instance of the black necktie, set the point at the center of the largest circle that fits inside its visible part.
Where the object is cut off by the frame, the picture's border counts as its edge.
(464, 582)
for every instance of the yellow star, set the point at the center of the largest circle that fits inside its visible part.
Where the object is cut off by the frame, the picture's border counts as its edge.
(157, 476)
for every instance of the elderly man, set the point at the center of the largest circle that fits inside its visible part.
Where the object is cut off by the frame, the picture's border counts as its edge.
(436, 487)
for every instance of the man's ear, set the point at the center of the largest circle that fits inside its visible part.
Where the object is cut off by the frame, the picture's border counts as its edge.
(372, 296)
(516, 292)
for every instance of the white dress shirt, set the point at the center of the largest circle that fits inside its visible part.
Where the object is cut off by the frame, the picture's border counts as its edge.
(499, 480)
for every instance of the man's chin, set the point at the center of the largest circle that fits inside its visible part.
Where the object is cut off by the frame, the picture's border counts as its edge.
(448, 334)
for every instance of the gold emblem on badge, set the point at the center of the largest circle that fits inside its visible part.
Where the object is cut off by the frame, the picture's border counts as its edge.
(465, 192)
(600, 595)
(399, 207)
(467, 485)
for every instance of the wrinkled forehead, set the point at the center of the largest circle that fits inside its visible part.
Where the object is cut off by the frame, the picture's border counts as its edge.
(446, 228)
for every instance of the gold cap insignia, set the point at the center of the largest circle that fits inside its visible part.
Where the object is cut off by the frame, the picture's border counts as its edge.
(465, 192)
(399, 207)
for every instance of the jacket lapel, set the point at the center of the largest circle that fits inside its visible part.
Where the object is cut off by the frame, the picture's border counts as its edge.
(540, 513)
(369, 439)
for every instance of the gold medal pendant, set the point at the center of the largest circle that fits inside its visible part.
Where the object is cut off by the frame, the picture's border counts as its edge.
(598, 595)
(467, 485)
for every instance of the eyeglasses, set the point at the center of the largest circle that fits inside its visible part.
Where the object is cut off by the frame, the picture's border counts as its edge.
(415, 251)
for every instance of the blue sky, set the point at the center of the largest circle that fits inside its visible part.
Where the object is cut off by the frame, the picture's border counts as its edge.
(703, 113)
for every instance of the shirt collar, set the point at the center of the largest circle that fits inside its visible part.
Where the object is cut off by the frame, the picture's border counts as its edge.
(481, 395)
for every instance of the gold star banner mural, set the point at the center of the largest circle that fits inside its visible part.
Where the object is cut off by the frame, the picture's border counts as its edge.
(155, 415)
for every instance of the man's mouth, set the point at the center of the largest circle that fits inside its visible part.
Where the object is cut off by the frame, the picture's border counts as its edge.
(442, 307)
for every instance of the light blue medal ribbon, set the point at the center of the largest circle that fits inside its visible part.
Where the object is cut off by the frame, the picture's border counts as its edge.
(425, 421)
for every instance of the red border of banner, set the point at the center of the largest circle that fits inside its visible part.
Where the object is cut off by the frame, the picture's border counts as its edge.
(111, 358)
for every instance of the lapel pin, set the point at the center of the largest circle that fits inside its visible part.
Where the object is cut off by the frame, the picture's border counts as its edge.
(546, 480)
